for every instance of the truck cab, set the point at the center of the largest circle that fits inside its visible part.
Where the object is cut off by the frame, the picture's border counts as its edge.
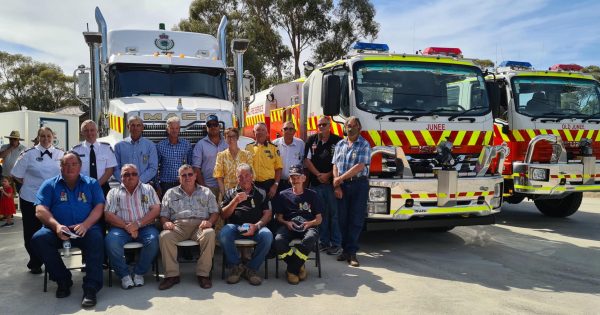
(550, 121)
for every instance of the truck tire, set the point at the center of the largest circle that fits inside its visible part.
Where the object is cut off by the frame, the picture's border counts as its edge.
(514, 199)
(560, 208)
(441, 229)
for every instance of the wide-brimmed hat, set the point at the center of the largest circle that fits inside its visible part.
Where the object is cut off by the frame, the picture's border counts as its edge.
(15, 134)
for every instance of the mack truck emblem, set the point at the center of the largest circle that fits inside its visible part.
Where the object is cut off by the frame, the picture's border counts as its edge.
(164, 42)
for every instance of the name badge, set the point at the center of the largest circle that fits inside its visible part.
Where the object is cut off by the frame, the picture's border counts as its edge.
(145, 158)
(39, 159)
(82, 197)
(252, 203)
(63, 196)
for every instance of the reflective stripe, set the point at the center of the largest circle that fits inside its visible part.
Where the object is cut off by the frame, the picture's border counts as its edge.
(288, 253)
(474, 137)
(576, 188)
(444, 210)
(375, 137)
(300, 255)
(410, 136)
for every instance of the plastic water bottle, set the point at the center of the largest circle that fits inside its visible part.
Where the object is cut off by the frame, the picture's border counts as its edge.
(67, 248)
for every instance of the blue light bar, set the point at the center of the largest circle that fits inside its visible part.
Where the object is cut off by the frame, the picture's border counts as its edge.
(516, 64)
(371, 46)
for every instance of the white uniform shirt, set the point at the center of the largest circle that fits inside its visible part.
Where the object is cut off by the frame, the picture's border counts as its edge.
(10, 160)
(34, 168)
(292, 154)
(105, 157)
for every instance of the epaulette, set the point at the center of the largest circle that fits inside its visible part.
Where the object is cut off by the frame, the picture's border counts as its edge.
(109, 146)
(26, 151)
(105, 143)
(77, 145)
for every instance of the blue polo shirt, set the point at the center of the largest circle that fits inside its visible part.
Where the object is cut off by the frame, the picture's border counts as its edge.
(70, 207)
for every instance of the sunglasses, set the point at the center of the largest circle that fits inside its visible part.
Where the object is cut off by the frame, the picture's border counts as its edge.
(323, 125)
(212, 125)
(288, 128)
(186, 175)
(127, 175)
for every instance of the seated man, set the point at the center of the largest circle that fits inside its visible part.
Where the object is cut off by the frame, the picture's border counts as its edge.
(131, 210)
(189, 212)
(298, 210)
(71, 203)
(246, 211)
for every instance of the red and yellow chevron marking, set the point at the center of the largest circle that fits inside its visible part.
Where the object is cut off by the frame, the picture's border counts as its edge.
(443, 195)
(254, 119)
(526, 135)
(116, 123)
(559, 176)
(427, 138)
(336, 128)
(277, 114)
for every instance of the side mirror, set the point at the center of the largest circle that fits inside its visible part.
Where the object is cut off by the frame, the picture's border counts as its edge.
(493, 89)
(330, 100)
(83, 85)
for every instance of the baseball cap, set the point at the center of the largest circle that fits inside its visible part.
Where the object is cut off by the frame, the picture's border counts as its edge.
(212, 118)
(296, 170)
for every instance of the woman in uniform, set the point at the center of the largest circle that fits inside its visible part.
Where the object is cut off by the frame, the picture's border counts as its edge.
(32, 168)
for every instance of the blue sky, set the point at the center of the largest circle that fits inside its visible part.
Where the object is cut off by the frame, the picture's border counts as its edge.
(543, 32)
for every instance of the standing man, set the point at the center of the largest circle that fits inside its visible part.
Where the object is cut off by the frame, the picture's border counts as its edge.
(189, 211)
(172, 153)
(292, 153)
(138, 151)
(350, 179)
(98, 158)
(131, 210)
(298, 210)
(205, 154)
(10, 152)
(247, 211)
(318, 155)
(71, 203)
(266, 161)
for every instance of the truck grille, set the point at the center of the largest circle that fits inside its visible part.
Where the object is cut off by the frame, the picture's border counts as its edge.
(157, 131)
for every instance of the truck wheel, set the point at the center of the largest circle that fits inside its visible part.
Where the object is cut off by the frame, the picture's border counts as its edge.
(560, 208)
(441, 229)
(514, 199)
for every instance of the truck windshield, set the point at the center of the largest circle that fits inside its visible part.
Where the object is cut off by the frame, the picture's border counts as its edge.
(419, 89)
(556, 97)
(166, 80)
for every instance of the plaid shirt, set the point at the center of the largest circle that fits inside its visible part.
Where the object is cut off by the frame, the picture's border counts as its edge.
(171, 157)
(177, 205)
(345, 157)
(131, 207)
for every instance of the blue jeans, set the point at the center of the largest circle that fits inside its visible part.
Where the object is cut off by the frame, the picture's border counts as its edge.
(46, 244)
(353, 210)
(329, 229)
(117, 238)
(229, 233)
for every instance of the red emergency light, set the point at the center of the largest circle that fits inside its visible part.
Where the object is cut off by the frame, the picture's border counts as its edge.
(445, 51)
(566, 67)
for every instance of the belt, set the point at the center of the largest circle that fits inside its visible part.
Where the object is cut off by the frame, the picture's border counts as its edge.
(355, 178)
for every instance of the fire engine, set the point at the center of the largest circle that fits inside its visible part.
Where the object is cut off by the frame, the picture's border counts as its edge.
(428, 120)
(550, 120)
(157, 74)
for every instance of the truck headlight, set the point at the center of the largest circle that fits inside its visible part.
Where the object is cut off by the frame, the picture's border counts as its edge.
(496, 201)
(541, 174)
(378, 194)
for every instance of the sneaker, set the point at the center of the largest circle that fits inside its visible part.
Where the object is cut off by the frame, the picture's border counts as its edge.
(126, 282)
(235, 274)
(334, 250)
(252, 277)
(302, 274)
(89, 297)
(343, 257)
(323, 247)
(353, 261)
(292, 278)
(138, 280)
(8, 224)
(64, 289)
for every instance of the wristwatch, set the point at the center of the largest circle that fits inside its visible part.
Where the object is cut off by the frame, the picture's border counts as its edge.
(276, 184)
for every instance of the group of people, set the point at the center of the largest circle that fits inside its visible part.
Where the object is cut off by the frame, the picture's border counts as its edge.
(271, 193)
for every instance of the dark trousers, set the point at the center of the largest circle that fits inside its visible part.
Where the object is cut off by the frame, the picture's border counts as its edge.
(46, 243)
(283, 185)
(266, 186)
(352, 212)
(31, 224)
(282, 246)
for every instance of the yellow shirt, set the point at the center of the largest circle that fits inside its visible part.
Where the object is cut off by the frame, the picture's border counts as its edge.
(226, 166)
(266, 160)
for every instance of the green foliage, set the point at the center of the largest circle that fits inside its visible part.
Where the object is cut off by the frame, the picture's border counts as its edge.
(484, 63)
(35, 85)
(593, 70)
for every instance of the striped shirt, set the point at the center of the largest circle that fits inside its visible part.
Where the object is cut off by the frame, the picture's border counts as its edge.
(171, 157)
(131, 207)
(346, 156)
(178, 205)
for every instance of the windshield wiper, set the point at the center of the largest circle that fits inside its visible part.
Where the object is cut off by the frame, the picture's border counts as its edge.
(147, 93)
(404, 110)
(452, 117)
(534, 118)
(433, 111)
(591, 116)
(203, 94)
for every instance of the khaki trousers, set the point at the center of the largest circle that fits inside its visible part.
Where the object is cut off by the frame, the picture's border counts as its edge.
(187, 230)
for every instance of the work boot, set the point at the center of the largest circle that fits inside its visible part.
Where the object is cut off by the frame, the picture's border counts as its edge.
(252, 277)
(353, 261)
(235, 274)
(168, 282)
(343, 257)
(302, 274)
(89, 297)
(292, 278)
